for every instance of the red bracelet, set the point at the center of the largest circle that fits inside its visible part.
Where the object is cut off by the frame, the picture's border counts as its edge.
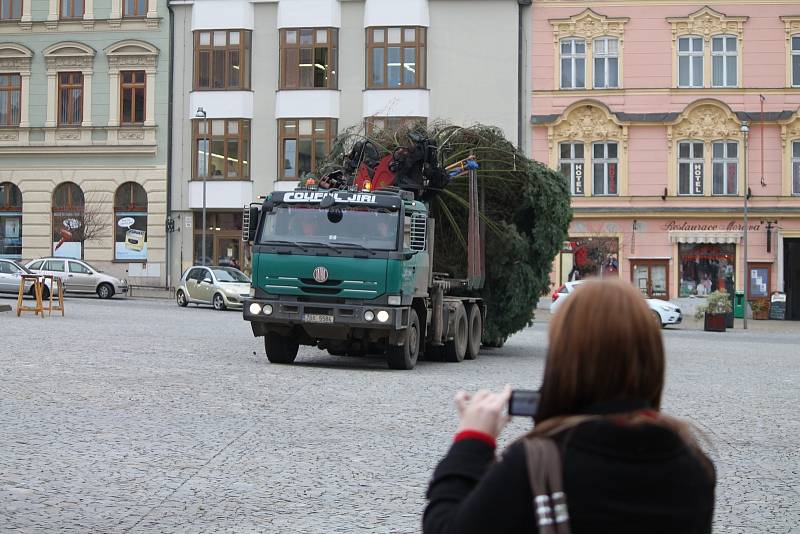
(475, 434)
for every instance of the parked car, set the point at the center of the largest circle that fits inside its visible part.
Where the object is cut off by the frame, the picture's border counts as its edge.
(664, 312)
(80, 277)
(222, 287)
(10, 274)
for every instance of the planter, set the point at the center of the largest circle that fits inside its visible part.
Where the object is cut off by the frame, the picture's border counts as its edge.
(729, 320)
(714, 322)
(761, 315)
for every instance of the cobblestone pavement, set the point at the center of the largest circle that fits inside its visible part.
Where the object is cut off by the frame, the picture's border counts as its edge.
(138, 416)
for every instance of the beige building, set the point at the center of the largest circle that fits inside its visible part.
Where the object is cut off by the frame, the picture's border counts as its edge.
(262, 87)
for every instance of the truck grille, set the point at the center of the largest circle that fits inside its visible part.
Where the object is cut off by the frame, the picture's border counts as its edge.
(312, 282)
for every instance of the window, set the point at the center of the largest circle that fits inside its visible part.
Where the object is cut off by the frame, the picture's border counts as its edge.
(68, 205)
(54, 265)
(796, 61)
(10, 93)
(70, 98)
(308, 58)
(723, 61)
(35, 266)
(690, 62)
(134, 8)
(304, 143)
(605, 166)
(10, 220)
(395, 57)
(10, 9)
(78, 268)
(573, 63)
(71, 9)
(224, 152)
(132, 90)
(606, 63)
(796, 168)
(596, 256)
(222, 59)
(130, 223)
(705, 268)
(690, 168)
(376, 124)
(724, 163)
(571, 165)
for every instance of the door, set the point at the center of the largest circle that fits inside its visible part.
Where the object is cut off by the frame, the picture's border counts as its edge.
(791, 277)
(80, 278)
(204, 288)
(192, 281)
(9, 277)
(228, 252)
(55, 267)
(650, 277)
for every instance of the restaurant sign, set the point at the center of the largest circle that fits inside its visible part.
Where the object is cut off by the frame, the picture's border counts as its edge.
(686, 226)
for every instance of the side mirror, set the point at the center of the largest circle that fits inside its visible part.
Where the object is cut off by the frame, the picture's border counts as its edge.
(206, 280)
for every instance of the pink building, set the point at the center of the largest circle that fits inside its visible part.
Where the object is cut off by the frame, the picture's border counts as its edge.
(662, 116)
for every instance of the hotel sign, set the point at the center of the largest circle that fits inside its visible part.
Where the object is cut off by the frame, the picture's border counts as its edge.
(578, 173)
(697, 178)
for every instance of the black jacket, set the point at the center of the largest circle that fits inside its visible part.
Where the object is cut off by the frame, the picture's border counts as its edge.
(617, 478)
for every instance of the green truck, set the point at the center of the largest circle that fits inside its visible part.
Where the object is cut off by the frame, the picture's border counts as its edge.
(350, 271)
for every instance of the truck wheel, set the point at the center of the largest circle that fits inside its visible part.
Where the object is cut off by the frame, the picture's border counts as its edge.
(456, 348)
(475, 321)
(280, 349)
(405, 356)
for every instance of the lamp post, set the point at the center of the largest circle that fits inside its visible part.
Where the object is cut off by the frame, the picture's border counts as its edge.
(745, 129)
(201, 114)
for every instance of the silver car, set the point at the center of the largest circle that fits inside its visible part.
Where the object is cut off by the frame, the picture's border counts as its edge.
(80, 277)
(222, 287)
(10, 274)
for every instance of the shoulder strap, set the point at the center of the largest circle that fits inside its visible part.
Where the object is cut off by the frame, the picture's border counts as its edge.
(544, 473)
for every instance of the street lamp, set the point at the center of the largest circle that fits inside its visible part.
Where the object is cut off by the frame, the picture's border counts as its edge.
(745, 129)
(201, 114)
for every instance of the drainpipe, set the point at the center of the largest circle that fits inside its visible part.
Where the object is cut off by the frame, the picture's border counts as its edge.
(167, 278)
(521, 72)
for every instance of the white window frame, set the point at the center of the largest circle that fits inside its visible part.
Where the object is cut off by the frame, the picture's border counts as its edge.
(691, 161)
(573, 58)
(794, 56)
(573, 160)
(605, 161)
(693, 55)
(724, 161)
(723, 55)
(795, 172)
(605, 56)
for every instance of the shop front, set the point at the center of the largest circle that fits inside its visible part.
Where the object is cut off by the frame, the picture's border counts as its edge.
(672, 258)
(224, 244)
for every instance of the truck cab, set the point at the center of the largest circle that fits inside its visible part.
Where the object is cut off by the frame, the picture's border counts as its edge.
(347, 271)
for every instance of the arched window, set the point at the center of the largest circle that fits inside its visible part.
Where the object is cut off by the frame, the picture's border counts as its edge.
(130, 223)
(68, 230)
(10, 221)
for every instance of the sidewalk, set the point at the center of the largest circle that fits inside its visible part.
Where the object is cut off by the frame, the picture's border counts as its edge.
(139, 292)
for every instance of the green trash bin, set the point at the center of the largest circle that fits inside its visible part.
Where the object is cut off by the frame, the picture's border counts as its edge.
(738, 305)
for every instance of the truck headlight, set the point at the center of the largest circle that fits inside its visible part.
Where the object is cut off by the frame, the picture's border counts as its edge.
(383, 316)
(369, 315)
(267, 309)
(394, 300)
(255, 308)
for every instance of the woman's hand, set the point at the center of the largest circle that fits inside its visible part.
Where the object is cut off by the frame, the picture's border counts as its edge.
(482, 412)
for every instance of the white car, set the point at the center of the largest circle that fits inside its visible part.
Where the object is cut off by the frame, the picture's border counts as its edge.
(664, 312)
(10, 275)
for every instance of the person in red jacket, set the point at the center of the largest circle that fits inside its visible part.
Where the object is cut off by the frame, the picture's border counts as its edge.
(627, 468)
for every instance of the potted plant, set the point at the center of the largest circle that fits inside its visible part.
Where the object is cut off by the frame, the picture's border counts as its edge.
(713, 312)
(760, 308)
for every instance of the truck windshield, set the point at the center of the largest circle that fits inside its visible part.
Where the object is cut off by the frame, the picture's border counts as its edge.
(373, 228)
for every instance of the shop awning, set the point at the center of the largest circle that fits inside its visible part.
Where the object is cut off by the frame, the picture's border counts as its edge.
(704, 237)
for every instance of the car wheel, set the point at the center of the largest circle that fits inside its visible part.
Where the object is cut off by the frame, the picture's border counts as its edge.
(475, 330)
(105, 291)
(657, 317)
(218, 302)
(404, 357)
(180, 298)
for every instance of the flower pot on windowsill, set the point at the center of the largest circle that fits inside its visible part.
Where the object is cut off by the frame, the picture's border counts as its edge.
(714, 322)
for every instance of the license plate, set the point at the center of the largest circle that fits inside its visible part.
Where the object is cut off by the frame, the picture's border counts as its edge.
(316, 318)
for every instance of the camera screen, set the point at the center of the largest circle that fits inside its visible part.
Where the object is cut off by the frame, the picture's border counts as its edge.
(523, 402)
